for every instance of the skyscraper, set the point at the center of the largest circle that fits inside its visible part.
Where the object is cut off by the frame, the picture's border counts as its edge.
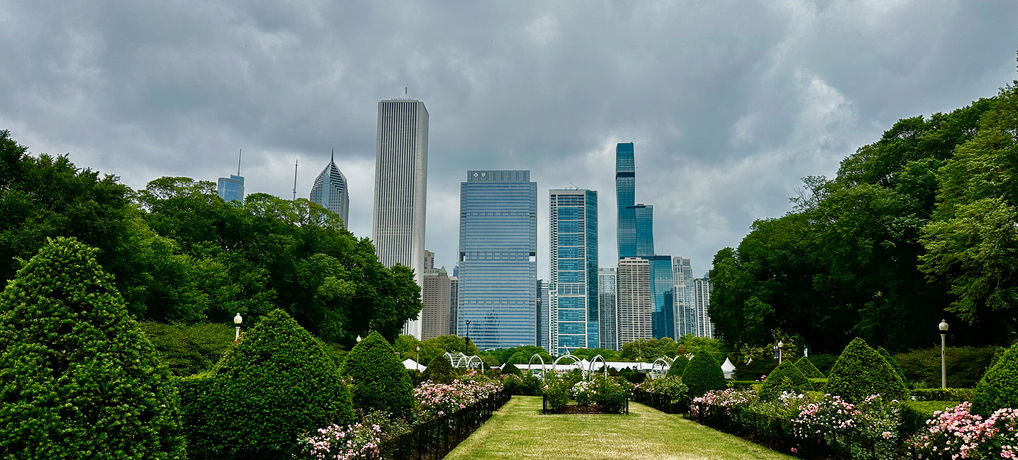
(401, 184)
(702, 288)
(662, 287)
(573, 259)
(635, 300)
(332, 192)
(498, 259)
(543, 319)
(435, 299)
(607, 311)
(454, 301)
(232, 188)
(625, 193)
(685, 312)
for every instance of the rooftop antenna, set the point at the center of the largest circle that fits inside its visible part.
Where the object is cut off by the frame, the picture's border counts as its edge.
(295, 180)
(239, 156)
(405, 90)
(333, 160)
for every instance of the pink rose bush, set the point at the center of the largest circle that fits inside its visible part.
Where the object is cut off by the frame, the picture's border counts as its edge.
(957, 433)
(720, 401)
(336, 442)
(436, 400)
(856, 429)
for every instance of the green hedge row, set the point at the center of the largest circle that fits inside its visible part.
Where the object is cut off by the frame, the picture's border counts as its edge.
(943, 394)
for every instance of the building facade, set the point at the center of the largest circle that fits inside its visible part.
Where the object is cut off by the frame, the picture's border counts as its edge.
(663, 322)
(231, 188)
(573, 261)
(331, 190)
(543, 318)
(683, 297)
(702, 289)
(401, 184)
(435, 297)
(625, 196)
(454, 296)
(635, 300)
(498, 259)
(607, 311)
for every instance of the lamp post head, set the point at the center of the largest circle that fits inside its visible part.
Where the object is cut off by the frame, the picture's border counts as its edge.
(943, 326)
(358, 339)
(237, 319)
(781, 344)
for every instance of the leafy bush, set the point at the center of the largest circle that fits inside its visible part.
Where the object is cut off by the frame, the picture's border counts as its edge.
(824, 362)
(892, 362)
(861, 372)
(439, 371)
(582, 392)
(999, 387)
(278, 383)
(958, 433)
(435, 400)
(611, 393)
(380, 381)
(511, 369)
(189, 349)
(754, 369)
(633, 376)
(678, 366)
(785, 378)
(965, 365)
(526, 385)
(855, 430)
(914, 414)
(808, 369)
(669, 386)
(77, 376)
(819, 384)
(556, 389)
(943, 394)
(741, 384)
(703, 374)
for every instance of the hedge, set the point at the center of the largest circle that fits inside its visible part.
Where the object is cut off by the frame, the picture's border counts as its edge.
(439, 370)
(785, 377)
(965, 365)
(678, 366)
(997, 388)
(860, 372)
(943, 394)
(277, 384)
(819, 384)
(808, 369)
(78, 378)
(914, 414)
(703, 374)
(380, 381)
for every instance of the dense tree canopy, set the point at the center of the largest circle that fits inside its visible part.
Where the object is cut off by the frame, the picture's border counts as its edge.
(916, 227)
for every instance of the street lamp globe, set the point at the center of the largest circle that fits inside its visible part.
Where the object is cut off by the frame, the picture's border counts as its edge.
(943, 326)
(237, 319)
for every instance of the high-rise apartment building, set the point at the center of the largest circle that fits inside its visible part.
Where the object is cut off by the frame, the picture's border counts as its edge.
(435, 299)
(454, 299)
(331, 190)
(683, 297)
(702, 289)
(573, 260)
(543, 318)
(401, 184)
(662, 287)
(635, 300)
(498, 259)
(607, 313)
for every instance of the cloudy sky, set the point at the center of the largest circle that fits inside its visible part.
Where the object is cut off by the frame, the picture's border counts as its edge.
(729, 103)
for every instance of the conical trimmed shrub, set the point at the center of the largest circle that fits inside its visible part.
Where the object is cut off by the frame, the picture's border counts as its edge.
(785, 377)
(277, 384)
(808, 369)
(860, 372)
(379, 380)
(999, 386)
(511, 369)
(678, 366)
(78, 378)
(439, 371)
(703, 374)
(892, 362)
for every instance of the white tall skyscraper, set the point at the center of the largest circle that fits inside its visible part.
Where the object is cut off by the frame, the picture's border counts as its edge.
(401, 184)
(331, 191)
(635, 301)
(684, 298)
(703, 288)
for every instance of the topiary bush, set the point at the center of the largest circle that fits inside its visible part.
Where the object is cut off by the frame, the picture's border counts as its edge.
(439, 370)
(703, 374)
(893, 363)
(808, 369)
(860, 372)
(189, 349)
(678, 366)
(78, 378)
(277, 384)
(379, 380)
(785, 377)
(511, 369)
(999, 386)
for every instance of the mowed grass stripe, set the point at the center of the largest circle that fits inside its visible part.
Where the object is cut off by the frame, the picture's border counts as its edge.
(520, 431)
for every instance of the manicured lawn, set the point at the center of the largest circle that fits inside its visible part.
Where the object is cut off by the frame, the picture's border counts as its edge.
(520, 431)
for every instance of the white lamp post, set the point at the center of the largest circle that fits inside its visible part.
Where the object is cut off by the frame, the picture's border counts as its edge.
(237, 320)
(780, 345)
(943, 356)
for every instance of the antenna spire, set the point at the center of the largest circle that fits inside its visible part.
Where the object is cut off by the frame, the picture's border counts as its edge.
(405, 90)
(295, 180)
(333, 160)
(239, 156)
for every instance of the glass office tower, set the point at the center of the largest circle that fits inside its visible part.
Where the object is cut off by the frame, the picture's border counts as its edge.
(543, 318)
(662, 287)
(573, 262)
(625, 193)
(232, 188)
(684, 299)
(608, 314)
(498, 259)
(330, 190)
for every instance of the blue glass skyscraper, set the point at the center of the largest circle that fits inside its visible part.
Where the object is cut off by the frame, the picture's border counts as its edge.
(573, 258)
(661, 285)
(232, 188)
(625, 193)
(498, 259)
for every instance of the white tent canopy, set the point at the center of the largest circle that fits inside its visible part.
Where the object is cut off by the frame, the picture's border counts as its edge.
(411, 364)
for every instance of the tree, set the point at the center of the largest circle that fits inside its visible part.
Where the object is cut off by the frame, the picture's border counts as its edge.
(78, 375)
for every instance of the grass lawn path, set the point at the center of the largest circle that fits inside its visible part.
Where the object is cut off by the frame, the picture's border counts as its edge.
(520, 431)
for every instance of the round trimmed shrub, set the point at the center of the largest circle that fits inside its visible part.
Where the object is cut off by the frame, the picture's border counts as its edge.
(439, 370)
(511, 369)
(703, 374)
(678, 366)
(808, 369)
(785, 377)
(78, 378)
(277, 384)
(893, 363)
(999, 386)
(860, 372)
(379, 380)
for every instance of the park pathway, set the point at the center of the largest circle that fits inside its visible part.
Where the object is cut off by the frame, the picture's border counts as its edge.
(519, 430)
